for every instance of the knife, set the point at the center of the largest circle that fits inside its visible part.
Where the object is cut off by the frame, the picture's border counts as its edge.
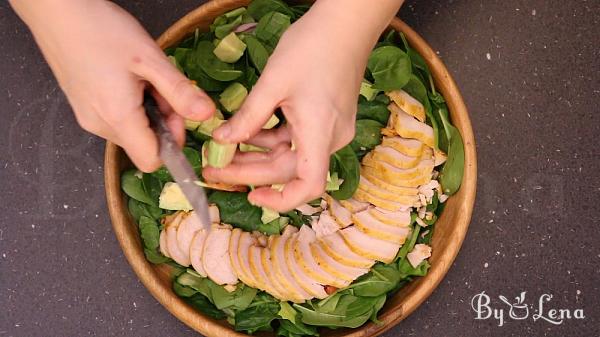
(176, 162)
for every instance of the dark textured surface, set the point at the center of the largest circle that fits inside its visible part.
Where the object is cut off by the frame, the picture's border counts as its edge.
(529, 73)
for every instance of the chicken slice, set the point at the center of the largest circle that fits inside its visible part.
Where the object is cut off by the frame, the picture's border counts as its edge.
(181, 257)
(333, 267)
(354, 205)
(196, 251)
(341, 214)
(188, 227)
(369, 247)
(378, 178)
(379, 230)
(391, 205)
(281, 270)
(215, 256)
(162, 243)
(398, 159)
(367, 180)
(308, 263)
(307, 283)
(390, 172)
(325, 225)
(419, 253)
(395, 218)
(335, 246)
(408, 103)
(256, 267)
(236, 264)
(307, 209)
(246, 240)
(407, 146)
(408, 127)
(267, 264)
(384, 193)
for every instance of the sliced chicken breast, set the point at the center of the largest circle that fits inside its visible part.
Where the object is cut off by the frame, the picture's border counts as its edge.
(213, 213)
(335, 246)
(369, 247)
(307, 283)
(181, 257)
(390, 172)
(267, 264)
(236, 264)
(371, 226)
(325, 225)
(410, 147)
(307, 209)
(396, 218)
(366, 180)
(408, 127)
(282, 272)
(383, 193)
(375, 176)
(340, 213)
(419, 253)
(215, 257)
(196, 251)
(308, 263)
(408, 103)
(398, 159)
(246, 240)
(188, 227)
(162, 243)
(256, 267)
(333, 267)
(354, 205)
(390, 205)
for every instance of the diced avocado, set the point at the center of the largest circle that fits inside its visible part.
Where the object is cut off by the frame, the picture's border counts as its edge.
(233, 96)
(172, 198)
(252, 148)
(219, 155)
(367, 90)
(271, 122)
(193, 125)
(268, 215)
(333, 182)
(175, 63)
(230, 48)
(278, 187)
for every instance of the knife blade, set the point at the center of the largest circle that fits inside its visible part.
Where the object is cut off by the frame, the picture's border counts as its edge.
(176, 162)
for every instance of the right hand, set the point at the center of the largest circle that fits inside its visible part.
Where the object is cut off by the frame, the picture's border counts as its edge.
(103, 60)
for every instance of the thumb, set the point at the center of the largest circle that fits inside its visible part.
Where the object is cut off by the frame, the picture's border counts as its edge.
(186, 99)
(251, 117)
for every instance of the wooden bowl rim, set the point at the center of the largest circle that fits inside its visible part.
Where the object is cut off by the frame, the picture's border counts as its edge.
(414, 294)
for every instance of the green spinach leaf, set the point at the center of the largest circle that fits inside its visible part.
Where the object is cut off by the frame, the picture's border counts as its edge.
(155, 257)
(366, 137)
(375, 110)
(453, 170)
(259, 314)
(298, 329)
(259, 8)
(203, 305)
(257, 52)
(379, 281)
(236, 210)
(346, 164)
(149, 232)
(133, 186)
(207, 61)
(390, 68)
(139, 209)
(270, 28)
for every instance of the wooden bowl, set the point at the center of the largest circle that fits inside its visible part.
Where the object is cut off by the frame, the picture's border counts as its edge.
(449, 233)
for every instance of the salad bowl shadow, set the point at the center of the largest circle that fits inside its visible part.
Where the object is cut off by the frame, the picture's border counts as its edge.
(450, 230)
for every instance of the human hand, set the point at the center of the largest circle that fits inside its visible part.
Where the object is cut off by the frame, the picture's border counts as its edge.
(314, 76)
(103, 59)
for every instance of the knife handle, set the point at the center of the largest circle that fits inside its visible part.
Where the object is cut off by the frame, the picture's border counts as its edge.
(157, 122)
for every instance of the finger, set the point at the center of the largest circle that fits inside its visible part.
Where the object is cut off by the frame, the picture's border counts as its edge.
(312, 165)
(259, 156)
(137, 139)
(254, 113)
(279, 170)
(183, 96)
(271, 138)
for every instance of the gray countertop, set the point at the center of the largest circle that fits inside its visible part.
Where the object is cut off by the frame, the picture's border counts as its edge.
(529, 72)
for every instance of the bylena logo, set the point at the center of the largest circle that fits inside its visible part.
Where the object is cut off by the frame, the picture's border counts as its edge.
(519, 310)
